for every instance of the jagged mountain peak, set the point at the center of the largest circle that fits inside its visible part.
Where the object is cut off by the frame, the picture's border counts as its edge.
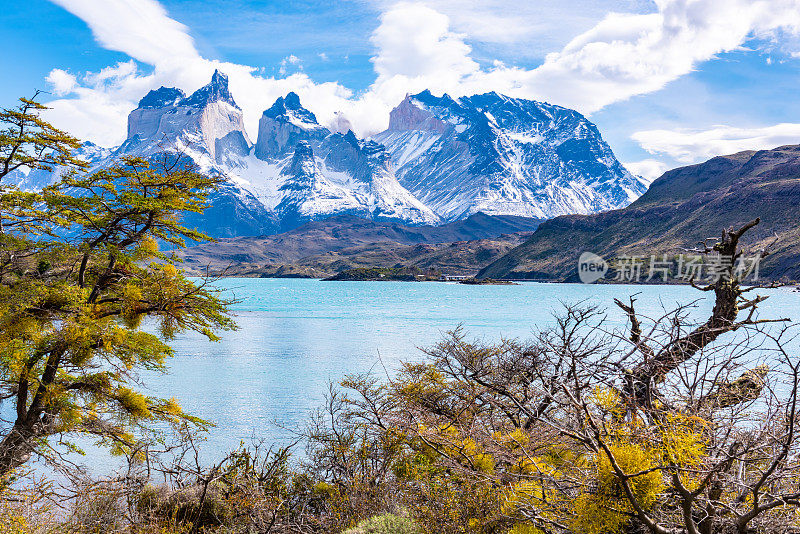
(359, 157)
(488, 102)
(302, 177)
(285, 124)
(351, 138)
(503, 155)
(161, 97)
(292, 100)
(207, 122)
(428, 98)
(289, 109)
(376, 152)
(412, 114)
(302, 160)
(215, 91)
(442, 158)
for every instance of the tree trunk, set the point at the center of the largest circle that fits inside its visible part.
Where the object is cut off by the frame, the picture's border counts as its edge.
(16, 449)
(641, 380)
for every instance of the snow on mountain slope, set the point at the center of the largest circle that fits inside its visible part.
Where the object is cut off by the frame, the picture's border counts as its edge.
(374, 180)
(440, 160)
(503, 155)
(208, 121)
(285, 124)
(36, 180)
(267, 187)
(310, 195)
(285, 172)
(206, 127)
(329, 173)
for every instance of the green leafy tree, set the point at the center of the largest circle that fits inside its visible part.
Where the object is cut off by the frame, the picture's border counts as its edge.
(27, 143)
(81, 270)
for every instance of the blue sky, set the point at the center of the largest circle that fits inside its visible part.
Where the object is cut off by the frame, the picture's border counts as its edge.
(668, 82)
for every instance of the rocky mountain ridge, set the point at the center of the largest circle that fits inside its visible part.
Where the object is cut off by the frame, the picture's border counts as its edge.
(321, 248)
(496, 154)
(440, 160)
(682, 208)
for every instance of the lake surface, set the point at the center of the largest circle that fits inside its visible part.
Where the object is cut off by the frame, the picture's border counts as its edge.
(296, 336)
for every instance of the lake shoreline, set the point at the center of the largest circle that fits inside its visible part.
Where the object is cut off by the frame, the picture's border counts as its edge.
(791, 285)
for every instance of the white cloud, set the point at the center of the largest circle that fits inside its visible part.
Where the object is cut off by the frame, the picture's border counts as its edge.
(61, 81)
(290, 60)
(416, 48)
(621, 56)
(287, 61)
(415, 41)
(141, 29)
(647, 169)
(692, 146)
(626, 55)
(523, 28)
(95, 106)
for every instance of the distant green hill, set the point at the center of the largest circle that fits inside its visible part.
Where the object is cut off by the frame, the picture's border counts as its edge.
(681, 208)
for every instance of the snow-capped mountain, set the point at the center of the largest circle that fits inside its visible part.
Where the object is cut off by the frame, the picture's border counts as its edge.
(38, 179)
(310, 173)
(503, 155)
(207, 127)
(285, 124)
(294, 173)
(440, 160)
(206, 123)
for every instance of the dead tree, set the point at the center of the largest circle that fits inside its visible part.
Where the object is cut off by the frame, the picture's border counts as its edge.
(641, 382)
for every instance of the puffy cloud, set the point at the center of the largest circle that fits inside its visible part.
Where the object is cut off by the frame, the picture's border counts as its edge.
(61, 81)
(626, 55)
(286, 62)
(692, 146)
(96, 105)
(647, 169)
(621, 56)
(415, 41)
(522, 28)
(416, 48)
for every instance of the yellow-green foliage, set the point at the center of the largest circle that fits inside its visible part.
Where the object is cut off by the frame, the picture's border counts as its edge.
(72, 306)
(683, 440)
(522, 528)
(385, 524)
(514, 440)
(604, 510)
(452, 504)
(135, 404)
(420, 382)
(631, 459)
(595, 515)
(13, 522)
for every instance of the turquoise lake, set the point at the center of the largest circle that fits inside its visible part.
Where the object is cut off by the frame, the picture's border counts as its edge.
(296, 336)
